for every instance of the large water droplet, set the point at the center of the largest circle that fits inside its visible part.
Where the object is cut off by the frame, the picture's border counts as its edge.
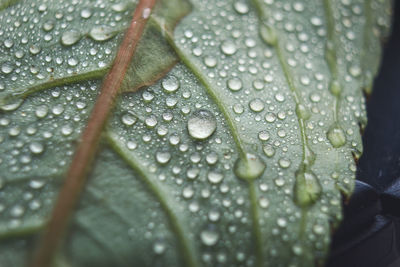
(241, 7)
(249, 168)
(128, 119)
(201, 124)
(163, 157)
(307, 188)
(235, 84)
(228, 47)
(170, 84)
(70, 37)
(215, 177)
(101, 33)
(268, 34)
(336, 136)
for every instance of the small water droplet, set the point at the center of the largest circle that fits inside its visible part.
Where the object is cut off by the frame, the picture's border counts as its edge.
(159, 248)
(201, 124)
(209, 237)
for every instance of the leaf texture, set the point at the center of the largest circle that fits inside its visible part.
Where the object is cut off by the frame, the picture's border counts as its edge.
(237, 156)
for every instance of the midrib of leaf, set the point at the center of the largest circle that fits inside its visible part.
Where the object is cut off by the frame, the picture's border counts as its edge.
(84, 155)
(187, 252)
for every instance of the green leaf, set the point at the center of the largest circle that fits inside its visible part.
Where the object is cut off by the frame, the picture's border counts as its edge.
(237, 156)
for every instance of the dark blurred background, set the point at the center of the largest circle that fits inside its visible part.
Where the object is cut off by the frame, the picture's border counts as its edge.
(370, 233)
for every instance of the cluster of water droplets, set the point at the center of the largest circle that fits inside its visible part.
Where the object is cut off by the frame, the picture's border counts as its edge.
(45, 41)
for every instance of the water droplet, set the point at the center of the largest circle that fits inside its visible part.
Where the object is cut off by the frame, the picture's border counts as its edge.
(268, 34)
(335, 88)
(151, 121)
(101, 33)
(170, 84)
(263, 136)
(188, 192)
(7, 67)
(70, 37)
(119, 7)
(256, 105)
(241, 7)
(210, 61)
(228, 47)
(209, 237)
(318, 229)
(302, 112)
(201, 124)
(163, 157)
(86, 13)
(128, 119)
(284, 163)
(235, 84)
(159, 248)
(215, 177)
(12, 106)
(269, 150)
(270, 117)
(307, 188)
(249, 168)
(36, 184)
(36, 148)
(336, 136)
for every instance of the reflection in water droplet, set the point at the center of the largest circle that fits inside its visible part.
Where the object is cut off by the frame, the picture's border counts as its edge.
(201, 124)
